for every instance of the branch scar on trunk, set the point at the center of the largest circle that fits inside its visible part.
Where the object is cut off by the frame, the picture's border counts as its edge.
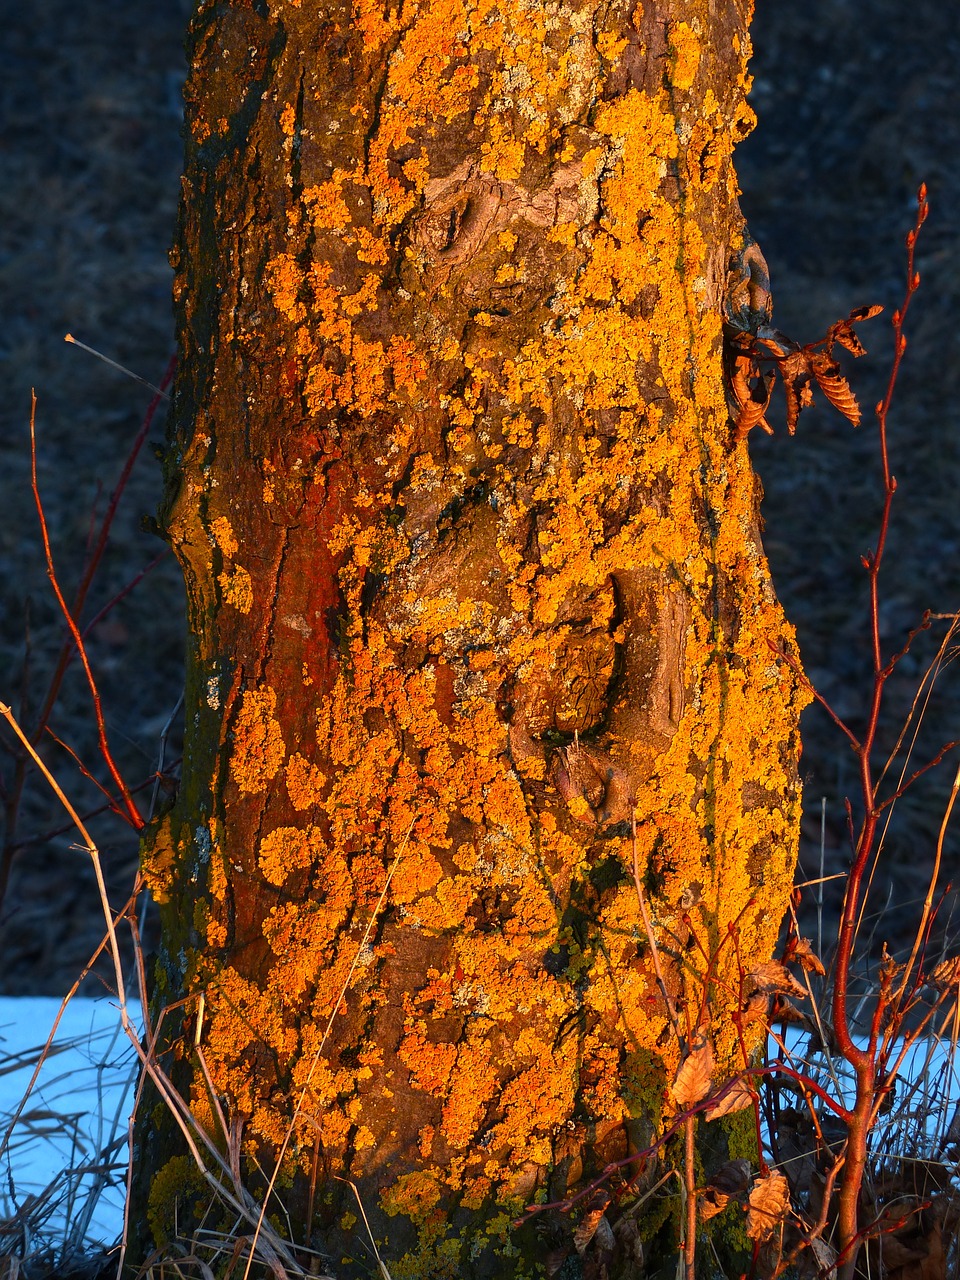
(667, 698)
(596, 786)
(465, 208)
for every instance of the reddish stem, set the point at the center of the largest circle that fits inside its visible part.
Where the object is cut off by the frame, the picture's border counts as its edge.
(94, 554)
(863, 1061)
(133, 813)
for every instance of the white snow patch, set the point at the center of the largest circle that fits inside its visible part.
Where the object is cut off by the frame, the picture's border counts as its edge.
(68, 1147)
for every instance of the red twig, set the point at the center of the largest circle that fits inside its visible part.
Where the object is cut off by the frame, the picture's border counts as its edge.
(864, 1061)
(41, 837)
(92, 559)
(96, 554)
(111, 801)
(133, 813)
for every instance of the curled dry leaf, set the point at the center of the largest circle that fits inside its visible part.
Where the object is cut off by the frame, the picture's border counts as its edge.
(590, 1222)
(753, 409)
(730, 1180)
(802, 953)
(889, 969)
(823, 1257)
(773, 978)
(555, 1260)
(768, 1205)
(587, 1229)
(736, 1098)
(835, 386)
(695, 1075)
(946, 974)
(604, 1241)
(799, 367)
(756, 1008)
(844, 333)
(629, 1245)
(785, 1010)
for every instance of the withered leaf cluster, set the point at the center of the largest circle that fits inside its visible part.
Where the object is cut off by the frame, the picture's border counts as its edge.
(755, 359)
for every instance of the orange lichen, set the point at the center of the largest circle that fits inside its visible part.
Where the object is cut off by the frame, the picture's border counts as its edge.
(505, 470)
(305, 782)
(223, 533)
(685, 50)
(286, 850)
(258, 748)
(236, 587)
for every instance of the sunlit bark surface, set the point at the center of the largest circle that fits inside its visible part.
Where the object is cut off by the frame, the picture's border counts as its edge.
(477, 601)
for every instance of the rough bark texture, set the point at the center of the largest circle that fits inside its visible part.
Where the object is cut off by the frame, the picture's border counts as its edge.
(475, 578)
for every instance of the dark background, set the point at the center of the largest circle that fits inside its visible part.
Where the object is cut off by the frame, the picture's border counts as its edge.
(859, 100)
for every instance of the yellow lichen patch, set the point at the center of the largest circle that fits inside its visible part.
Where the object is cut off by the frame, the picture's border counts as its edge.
(223, 534)
(305, 782)
(685, 49)
(258, 748)
(286, 850)
(236, 586)
(413, 1195)
(157, 857)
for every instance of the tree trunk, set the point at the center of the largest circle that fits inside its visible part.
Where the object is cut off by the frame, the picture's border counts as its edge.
(480, 619)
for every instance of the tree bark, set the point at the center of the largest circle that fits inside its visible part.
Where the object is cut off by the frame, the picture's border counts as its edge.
(480, 618)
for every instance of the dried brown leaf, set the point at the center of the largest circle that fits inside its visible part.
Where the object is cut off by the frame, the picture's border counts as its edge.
(802, 952)
(630, 1245)
(604, 1241)
(772, 976)
(864, 313)
(754, 407)
(889, 969)
(729, 1182)
(777, 343)
(835, 387)
(590, 1222)
(737, 1098)
(844, 333)
(744, 368)
(795, 373)
(793, 407)
(695, 1075)
(786, 1011)
(946, 974)
(756, 1008)
(795, 368)
(824, 1258)
(768, 1205)
(710, 1203)
(587, 1229)
(555, 1260)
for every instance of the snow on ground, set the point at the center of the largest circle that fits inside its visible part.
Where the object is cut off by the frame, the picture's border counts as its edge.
(69, 1146)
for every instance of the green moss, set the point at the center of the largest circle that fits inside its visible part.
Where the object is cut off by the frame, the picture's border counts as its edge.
(175, 1186)
(643, 1085)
